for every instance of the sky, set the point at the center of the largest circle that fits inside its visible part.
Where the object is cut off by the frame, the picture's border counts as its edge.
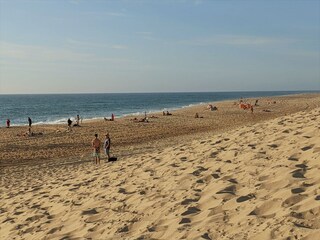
(87, 46)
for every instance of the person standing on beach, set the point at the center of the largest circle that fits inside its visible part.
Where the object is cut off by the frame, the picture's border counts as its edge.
(69, 124)
(106, 145)
(30, 122)
(8, 123)
(96, 143)
(78, 120)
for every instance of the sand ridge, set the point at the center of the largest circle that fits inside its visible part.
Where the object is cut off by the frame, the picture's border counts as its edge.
(258, 181)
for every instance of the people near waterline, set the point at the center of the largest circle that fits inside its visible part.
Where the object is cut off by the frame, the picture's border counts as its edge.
(77, 124)
(78, 120)
(96, 143)
(212, 108)
(8, 123)
(29, 122)
(167, 113)
(256, 102)
(140, 120)
(106, 145)
(109, 119)
(245, 106)
(69, 124)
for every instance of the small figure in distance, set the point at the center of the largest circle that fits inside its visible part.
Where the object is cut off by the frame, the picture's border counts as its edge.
(168, 114)
(8, 123)
(78, 120)
(69, 124)
(197, 116)
(96, 143)
(251, 108)
(163, 113)
(111, 119)
(30, 122)
(256, 103)
(106, 145)
(77, 124)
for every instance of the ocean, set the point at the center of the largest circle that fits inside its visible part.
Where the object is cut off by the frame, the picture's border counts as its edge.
(57, 108)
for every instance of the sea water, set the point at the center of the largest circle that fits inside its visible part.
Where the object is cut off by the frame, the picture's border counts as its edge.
(57, 108)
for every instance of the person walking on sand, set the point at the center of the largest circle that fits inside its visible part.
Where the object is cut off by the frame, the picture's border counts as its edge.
(69, 124)
(96, 143)
(30, 122)
(106, 145)
(8, 123)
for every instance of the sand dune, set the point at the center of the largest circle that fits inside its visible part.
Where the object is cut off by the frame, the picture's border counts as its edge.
(259, 181)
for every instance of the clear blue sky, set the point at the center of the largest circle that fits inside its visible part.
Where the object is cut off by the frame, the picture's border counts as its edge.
(70, 46)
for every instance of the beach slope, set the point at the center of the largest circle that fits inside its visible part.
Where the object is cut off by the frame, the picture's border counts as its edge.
(259, 181)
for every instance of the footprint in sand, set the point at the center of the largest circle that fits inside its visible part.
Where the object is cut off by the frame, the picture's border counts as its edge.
(206, 236)
(199, 171)
(297, 190)
(89, 212)
(123, 229)
(299, 173)
(185, 220)
(188, 201)
(11, 220)
(245, 198)
(273, 145)
(253, 146)
(191, 210)
(215, 175)
(294, 157)
(174, 165)
(201, 181)
(214, 154)
(233, 180)
(183, 159)
(231, 190)
(307, 147)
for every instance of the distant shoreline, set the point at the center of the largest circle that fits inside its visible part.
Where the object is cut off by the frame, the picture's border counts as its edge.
(130, 137)
(63, 119)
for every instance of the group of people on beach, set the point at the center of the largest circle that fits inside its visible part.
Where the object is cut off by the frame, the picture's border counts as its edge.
(77, 124)
(96, 145)
(8, 122)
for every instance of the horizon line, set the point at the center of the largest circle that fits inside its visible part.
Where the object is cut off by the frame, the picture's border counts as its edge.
(222, 91)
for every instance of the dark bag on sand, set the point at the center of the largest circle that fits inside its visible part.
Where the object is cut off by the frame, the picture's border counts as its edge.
(112, 159)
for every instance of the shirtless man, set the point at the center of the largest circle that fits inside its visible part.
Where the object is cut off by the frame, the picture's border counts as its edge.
(96, 143)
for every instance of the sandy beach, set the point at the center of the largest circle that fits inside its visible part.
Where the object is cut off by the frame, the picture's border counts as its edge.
(232, 174)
